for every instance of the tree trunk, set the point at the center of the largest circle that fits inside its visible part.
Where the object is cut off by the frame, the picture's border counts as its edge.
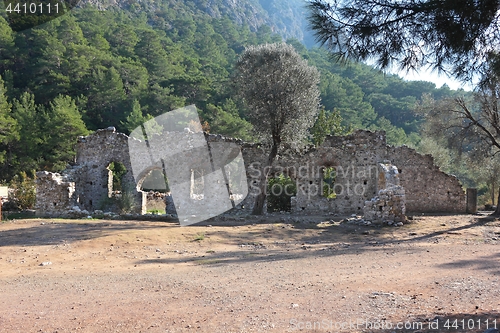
(258, 208)
(497, 211)
(493, 193)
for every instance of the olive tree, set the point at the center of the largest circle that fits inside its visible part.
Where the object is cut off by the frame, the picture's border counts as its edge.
(281, 92)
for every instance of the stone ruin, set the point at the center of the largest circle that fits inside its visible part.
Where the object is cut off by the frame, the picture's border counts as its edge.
(86, 186)
(371, 178)
(389, 206)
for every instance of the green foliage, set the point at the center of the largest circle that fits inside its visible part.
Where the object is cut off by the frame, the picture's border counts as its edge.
(126, 200)
(410, 34)
(327, 123)
(26, 149)
(61, 125)
(443, 157)
(8, 125)
(199, 237)
(329, 177)
(225, 120)
(24, 194)
(135, 117)
(91, 69)
(45, 136)
(156, 211)
(465, 137)
(279, 191)
(118, 170)
(395, 136)
(280, 89)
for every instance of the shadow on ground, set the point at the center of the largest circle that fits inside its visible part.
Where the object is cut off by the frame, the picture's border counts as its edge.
(263, 242)
(52, 233)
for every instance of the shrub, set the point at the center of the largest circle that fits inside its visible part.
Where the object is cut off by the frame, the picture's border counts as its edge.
(126, 199)
(23, 195)
(279, 192)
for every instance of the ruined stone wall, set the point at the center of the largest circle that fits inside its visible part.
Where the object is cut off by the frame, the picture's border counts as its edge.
(428, 189)
(355, 158)
(86, 185)
(389, 206)
(55, 194)
(94, 154)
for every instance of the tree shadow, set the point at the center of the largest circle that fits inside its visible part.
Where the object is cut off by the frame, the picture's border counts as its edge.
(53, 233)
(483, 263)
(281, 241)
(258, 252)
(481, 221)
(374, 234)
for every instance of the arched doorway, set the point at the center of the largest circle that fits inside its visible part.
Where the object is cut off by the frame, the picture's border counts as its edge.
(158, 196)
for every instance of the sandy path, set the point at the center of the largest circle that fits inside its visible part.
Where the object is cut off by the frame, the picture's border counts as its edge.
(119, 276)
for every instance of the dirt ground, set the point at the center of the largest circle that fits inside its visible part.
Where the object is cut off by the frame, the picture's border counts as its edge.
(437, 274)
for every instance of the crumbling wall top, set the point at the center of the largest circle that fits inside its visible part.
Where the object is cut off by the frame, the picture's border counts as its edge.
(359, 139)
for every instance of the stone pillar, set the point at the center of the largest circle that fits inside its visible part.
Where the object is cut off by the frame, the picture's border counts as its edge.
(472, 200)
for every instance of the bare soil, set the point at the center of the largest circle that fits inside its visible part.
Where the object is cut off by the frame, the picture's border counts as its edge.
(437, 274)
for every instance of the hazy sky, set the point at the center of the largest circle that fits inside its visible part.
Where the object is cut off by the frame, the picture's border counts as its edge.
(439, 80)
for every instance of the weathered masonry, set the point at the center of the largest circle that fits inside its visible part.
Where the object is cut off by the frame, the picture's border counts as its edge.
(352, 167)
(356, 160)
(88, 185)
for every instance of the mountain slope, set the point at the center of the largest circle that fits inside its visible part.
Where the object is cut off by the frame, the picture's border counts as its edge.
(286, 18)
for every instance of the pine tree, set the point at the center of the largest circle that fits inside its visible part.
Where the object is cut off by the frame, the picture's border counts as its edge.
(61, 125)
(8, 125)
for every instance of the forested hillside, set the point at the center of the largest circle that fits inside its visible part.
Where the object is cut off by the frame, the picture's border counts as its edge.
(284, 17)
(92, 69)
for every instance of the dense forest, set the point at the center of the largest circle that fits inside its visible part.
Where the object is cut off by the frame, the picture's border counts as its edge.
(92, 69)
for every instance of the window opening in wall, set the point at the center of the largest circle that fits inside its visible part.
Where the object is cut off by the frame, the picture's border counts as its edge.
(120, 195)
(280, 191)
(237, 180)
(329, 176)
(155, 181)
(197, 184)
(116, 171)
(158, 197)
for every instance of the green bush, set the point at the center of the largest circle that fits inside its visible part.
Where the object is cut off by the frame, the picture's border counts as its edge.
(123, 200)
(126, 200)
(279, 192)
(329, 177)
(24, 194)
(119, 171)
(156, 211)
